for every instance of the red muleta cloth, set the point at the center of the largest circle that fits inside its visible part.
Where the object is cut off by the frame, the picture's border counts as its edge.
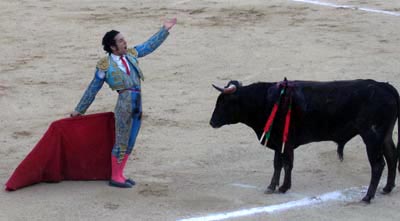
(76, 148)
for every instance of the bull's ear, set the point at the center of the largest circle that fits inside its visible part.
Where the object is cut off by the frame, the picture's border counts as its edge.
(234, 82)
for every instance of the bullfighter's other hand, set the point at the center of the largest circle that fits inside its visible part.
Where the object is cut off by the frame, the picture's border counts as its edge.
(169, 23)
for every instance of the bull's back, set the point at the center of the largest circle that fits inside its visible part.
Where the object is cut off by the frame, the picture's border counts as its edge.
(333, 97)
(338, 110)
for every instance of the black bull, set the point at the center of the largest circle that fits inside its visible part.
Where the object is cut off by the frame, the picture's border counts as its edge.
(321, 111)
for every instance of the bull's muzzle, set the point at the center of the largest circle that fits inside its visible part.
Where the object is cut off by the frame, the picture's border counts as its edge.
(213, 124)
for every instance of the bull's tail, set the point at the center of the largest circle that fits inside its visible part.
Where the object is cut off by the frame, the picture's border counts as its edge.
(396, 94)
(398, 126)
(398, 130)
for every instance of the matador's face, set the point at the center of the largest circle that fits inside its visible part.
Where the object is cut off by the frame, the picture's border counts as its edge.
(121, 45)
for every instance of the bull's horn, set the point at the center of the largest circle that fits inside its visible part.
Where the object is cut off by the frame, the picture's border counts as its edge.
(220, 89)
(226, 90)
(230, 89)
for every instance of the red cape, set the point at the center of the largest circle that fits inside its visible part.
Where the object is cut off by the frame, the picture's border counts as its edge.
(76, 148)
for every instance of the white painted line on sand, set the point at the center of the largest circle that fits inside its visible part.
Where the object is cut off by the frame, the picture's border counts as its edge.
(244, 186)
(343, 195)
(348, 7)
(183, 2)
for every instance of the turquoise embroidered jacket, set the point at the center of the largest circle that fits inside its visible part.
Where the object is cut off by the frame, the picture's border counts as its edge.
(107, 71)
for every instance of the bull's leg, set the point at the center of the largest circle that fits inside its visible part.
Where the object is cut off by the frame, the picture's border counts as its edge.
(277, 173)
(287, 166)
(391, 160)
(375, 157)
(377, 165)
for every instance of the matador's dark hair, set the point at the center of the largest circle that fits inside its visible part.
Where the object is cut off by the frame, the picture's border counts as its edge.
(108, 40)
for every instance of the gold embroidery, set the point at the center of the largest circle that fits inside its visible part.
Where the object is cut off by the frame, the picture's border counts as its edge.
(117, 77)
(132, 51)
(103, 64)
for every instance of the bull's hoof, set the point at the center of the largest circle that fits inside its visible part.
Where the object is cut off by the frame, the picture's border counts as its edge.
(387, 189)
(269, 190)
(283, 189)
(366, 199)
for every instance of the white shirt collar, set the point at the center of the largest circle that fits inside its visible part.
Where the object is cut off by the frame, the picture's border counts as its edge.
(116, 58)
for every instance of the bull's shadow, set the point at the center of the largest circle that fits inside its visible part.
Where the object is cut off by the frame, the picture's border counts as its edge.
(319, 111)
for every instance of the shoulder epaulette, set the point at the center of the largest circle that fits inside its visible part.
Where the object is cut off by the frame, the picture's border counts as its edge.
(132, 51)
(103, 64)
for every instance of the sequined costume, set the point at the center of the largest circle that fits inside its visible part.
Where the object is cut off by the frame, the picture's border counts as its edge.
(128, 109)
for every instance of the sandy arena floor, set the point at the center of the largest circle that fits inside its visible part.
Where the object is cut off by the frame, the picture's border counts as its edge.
(183, 167)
